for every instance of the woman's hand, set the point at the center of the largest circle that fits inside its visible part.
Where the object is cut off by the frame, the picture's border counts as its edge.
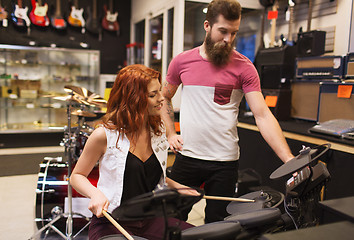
(98, 203)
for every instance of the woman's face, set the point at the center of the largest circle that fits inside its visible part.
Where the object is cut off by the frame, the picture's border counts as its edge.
(155, 97)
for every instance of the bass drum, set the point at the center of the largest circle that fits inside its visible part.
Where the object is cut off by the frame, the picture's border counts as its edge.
(52, 195)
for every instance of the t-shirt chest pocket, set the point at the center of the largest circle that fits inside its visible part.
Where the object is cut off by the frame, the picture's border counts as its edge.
(222, 93)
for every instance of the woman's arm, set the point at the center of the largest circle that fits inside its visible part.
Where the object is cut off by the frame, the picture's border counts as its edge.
(94, 148)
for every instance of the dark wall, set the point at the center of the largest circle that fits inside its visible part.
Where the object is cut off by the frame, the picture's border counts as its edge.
(111, 45)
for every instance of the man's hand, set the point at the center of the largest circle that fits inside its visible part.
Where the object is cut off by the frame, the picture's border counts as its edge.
(176, 143)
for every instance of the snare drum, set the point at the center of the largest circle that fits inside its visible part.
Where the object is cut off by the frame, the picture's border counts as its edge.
(52, 193)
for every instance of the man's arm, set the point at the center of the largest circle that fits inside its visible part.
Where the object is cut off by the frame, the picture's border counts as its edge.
(268, 126)
(167, 115)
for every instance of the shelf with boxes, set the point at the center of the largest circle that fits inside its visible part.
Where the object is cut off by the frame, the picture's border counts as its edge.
(32, 80)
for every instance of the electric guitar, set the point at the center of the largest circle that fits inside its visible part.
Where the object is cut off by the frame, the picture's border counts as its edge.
(92, 23)
(3, 16)
(19, 16)
(109, 22)
(76, 17)
(274, 24)
(291, 23)
(38, 15)
(57, 20)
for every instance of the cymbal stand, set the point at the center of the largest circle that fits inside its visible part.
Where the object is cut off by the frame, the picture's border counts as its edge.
(69, 144)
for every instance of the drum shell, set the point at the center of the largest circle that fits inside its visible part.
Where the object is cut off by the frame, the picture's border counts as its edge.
(52, 189)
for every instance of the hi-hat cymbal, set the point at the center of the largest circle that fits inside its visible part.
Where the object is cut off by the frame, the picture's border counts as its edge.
(82, 113)
(86, 96)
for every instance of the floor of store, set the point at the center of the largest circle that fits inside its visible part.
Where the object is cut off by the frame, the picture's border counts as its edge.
(18, 197)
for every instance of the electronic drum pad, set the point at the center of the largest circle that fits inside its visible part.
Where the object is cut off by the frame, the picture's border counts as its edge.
(162, 202)
(263, 199)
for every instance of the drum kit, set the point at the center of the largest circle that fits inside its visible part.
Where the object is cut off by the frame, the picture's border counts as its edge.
(251, 215)
(54, 194)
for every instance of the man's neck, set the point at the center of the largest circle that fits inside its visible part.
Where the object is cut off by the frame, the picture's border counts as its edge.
(202, 51)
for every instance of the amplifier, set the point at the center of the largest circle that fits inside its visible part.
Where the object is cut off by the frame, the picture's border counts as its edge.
(336, 101)
(349, 66)
(275, 66)
(304, 99)
(311, 43)
(320, 67)
(279, 102)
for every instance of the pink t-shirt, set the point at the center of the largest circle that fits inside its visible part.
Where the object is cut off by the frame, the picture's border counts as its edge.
(210, 102)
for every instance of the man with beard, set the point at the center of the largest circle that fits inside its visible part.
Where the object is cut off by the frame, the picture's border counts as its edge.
(215, 77)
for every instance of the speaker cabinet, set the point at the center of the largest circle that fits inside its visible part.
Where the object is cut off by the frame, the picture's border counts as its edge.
(311, 43)
(336, 101)
(304, 99)
(275, 66)
(279, 102)
(349, 66)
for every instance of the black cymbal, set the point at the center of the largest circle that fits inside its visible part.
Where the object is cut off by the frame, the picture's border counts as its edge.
(154, 204)
(300, 161)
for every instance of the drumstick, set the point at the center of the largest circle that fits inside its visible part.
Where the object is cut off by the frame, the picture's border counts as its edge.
(228, 199)
(119, 227)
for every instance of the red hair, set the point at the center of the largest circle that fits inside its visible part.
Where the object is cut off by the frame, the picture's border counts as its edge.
(128, 102)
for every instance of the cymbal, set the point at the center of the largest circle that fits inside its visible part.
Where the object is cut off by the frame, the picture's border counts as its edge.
(82, 113)
(68, 98)
(86, 96)
(300, 161)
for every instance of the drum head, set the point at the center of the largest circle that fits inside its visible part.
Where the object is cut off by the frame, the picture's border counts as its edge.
(257, 218)
(263, 199)
(119, 237)
(217, 230)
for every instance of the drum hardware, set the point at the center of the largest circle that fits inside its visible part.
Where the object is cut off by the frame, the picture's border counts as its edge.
(69, 144)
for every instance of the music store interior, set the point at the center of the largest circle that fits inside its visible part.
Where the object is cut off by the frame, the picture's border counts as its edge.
(58, 62)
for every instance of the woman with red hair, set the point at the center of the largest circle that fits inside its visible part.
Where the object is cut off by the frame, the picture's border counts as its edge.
(131, 148)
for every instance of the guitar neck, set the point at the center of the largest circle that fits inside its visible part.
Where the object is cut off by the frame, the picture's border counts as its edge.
(58, 10)
(94, 10)
(309, 16)
(19, 3)
(273, 27)
(291, 23)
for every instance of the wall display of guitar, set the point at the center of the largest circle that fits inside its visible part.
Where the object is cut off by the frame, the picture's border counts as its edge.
(109, 21)
(19, 16)
(57, 20)
(92, 22)
(3, 16)
(291, 4)
(76, 17)
(274, 24)
(38, 15)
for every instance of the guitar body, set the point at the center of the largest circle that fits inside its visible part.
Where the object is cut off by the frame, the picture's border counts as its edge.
(76, 18)
(110, 23)
(92, 23)
(38, 15)
(3, 13)
(19, 17)
(58, 22)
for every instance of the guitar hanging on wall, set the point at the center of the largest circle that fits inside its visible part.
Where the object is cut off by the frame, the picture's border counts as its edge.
(3, 16)
(57, 20)
(38, 15)
(109, 21)
(291, 4)
(19, 16)
(76, 17)
(273, 15)
(92, 22)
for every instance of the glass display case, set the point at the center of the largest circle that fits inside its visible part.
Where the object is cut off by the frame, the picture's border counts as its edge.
(32, 85)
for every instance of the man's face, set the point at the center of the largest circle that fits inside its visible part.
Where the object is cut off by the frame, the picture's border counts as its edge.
(220, 39)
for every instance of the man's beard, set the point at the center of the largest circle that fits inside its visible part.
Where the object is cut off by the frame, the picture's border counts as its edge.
(218, 52)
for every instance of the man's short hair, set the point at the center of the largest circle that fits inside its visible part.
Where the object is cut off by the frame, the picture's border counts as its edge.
(230, 9)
